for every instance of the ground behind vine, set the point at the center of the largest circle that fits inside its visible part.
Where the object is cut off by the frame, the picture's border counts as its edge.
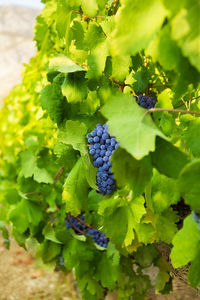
(20, 279)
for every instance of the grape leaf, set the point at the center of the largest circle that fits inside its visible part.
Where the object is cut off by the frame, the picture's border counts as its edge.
(185, 249)
(141, 80)
(78, 34)
(136, 135)
(89, 7)
(191, 137)
(53, 101)
(76, 188)
(63, 64)
(24, 213)
(164, 192)
(166, 225)
(120, 66)
(74, 87)
(131, 172)
(194, 272)
(97, 60)
(189, 184)
(29, 168)
(93, 37)
(168, 159)
(185, 30)
(74, 134)
(130, 39)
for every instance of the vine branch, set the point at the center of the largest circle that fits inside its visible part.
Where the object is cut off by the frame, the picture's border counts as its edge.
(171, 111)
(58, 174)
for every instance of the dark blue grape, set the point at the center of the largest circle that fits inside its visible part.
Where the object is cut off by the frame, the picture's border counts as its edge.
(102, 146)
(95, 139)
(146, 102)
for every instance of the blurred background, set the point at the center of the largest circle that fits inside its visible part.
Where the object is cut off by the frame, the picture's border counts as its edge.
(17, 18)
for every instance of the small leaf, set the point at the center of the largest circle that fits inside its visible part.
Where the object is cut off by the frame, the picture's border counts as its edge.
(63, 64)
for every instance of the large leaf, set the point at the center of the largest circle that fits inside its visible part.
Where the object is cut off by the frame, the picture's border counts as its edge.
(136, 25)
(185, 30)
(63, 64)
(134, 130)
(74, 134)
(131, 172)
(168, 159)
(74, 87)
(30, 168)
(185, 244)
(76, 188)
(189, 184)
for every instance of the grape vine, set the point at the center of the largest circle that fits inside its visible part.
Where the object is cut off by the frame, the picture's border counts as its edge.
(101, 200)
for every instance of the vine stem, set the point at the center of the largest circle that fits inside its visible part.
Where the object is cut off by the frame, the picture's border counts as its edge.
(171, 111)
(86, 16)
(76, 228)
(58, 174)
(31, 193)
(83, 222)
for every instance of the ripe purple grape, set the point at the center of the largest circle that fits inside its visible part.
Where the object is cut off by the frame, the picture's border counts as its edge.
(101, 147)
(146, 102)
(83, 229)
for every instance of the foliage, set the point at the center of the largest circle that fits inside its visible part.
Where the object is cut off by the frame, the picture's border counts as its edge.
(93, 57)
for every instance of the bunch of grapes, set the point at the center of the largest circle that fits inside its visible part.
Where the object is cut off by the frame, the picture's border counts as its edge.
(76, 223)
(146, 102)
(80, 227)
(196, 217)
(101, 147)
(98, 237)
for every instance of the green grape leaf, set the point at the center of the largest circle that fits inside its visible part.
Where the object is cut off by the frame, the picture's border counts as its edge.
(50, 234)
(146, 255)
(78, 34)
(75, 191)
(74, 134)
(161, 46)
(63, 64)
(141, 80)
(53, 101)
(145, 232)
(130, 39)
(42, 175)
(63, 19)
(164, 192)
(49, 250)
(24, 213)
(194, 272)
(186, 245)
(189, 184)
(66, 155)
(97, 60)
(29, 168)
(93, 37)
(76, 252)
(90, 171)
(107, 272)
(166, 225)
(120, 66)
(185, 30)
(168, 159)
(136, 135)
(89, 7)
(131, 172)
(191, 137)
(28, 163)
(74, 87)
